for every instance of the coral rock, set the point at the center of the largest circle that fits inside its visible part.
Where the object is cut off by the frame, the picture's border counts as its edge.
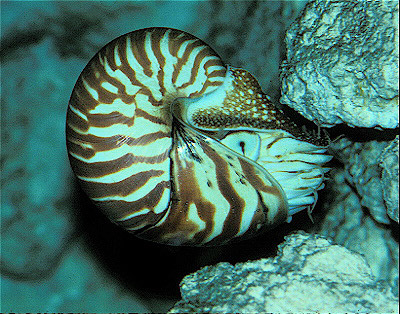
(389, 161)
(349, 225)
(342, 63)
(361, 165)
(310, 274)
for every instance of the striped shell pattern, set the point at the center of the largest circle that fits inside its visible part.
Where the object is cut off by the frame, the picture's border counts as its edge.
(178, 148)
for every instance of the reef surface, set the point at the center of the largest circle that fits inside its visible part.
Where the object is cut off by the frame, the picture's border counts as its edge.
(310, 274)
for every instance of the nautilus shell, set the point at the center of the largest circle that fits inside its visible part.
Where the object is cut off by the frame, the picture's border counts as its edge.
(181, 149)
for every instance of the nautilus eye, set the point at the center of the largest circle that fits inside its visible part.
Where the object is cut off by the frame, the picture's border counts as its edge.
(178, 148)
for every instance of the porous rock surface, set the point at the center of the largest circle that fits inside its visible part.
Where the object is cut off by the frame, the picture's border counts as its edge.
(389, 161)
(309, 274)
(361, 201)
(342, 63)
(363, 162)
(347, 222)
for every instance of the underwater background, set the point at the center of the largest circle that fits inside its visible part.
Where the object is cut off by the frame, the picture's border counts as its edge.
(59, 253)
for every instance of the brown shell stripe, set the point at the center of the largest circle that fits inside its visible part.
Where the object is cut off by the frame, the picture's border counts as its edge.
(119, 124)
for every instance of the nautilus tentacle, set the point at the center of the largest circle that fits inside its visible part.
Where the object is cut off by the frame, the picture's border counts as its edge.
(180, 149)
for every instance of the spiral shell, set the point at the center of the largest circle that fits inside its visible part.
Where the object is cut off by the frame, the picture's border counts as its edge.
(181, 149)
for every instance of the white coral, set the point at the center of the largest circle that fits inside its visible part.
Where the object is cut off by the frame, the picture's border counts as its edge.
(342, 64)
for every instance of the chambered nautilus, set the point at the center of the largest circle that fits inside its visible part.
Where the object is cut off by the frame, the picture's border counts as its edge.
(181, 149)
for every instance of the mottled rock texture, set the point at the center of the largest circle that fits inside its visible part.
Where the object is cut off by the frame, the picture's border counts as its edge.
(309, 274)
(361, 195)
(389, 161)
(361, 162)
(349, 224)
(342, 63)
(342, 68)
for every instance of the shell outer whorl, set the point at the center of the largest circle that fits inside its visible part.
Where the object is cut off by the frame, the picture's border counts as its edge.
(154, 172)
